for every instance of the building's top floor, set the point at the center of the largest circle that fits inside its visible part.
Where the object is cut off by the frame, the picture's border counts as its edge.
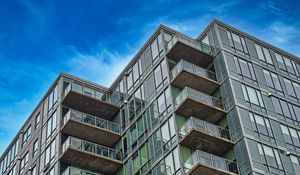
(165, 29)
(247, 35)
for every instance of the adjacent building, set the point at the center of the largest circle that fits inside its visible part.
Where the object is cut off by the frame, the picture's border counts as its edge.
(223, 103)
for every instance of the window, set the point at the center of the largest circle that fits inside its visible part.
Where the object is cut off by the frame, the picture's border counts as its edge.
(297, 112)
(51, 125)
(149, 86)
(267, 55)
(259, 52)
(24, 162)
(158, 76)
(295, 137)
(154, 49)
(285, 110)
(164, 101)
(138, 100)
(280, 61)
(165, 133)
(245, 69)
(144, 155)
(51, 172)
(295, 162)
(270, 157)
(237, 42)
(286, 134)
(52, 99)
(129, 82)
(141, 126)
(164, 68)
(133, 136)
(297, 89)
(289, 87)
(136, 73)
(261, 124)
(161, 103)
(34, 171)
(263, 54)
(26, 135)
(49, 153)
(35, 147)
(291, 136)
(37, 120)
(287, 65)
(136, 162)
(147, 58)
(167, 37)
(13, 171)
(252, 96)
(272, 81)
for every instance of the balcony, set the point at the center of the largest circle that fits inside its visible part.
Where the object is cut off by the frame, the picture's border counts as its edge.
(192, 51)
(198, 134)
(77, 171)
(204, 163)
(91, 128)
(91, 156)
(188, 74)
(191, 102)
(90, 101)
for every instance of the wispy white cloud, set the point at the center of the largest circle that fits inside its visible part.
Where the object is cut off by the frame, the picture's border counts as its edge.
(222, 8)
(283, 32)
(284, 35)
(273, 6)
(102, 65)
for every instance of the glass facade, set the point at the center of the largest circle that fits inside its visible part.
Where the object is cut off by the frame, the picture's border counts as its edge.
(225, 102)
(265, 84)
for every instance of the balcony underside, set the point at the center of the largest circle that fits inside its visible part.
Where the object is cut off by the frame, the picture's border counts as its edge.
(90, 133)
(91, 161)
(188, 79)
(90, 105)
(196, 139)
(191, 54)
(190, 107)
(200, 169)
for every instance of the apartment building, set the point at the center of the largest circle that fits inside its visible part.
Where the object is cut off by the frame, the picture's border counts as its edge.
(224, 103)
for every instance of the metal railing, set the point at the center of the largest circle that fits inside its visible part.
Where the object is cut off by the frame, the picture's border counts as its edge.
(200, 157)
(195, 123)
(198, 45)
(92, 120)
(190, 67)
(83, 145)
(188, 92)
(77, 171)
(94, 93)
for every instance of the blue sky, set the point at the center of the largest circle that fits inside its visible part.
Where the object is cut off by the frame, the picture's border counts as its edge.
(95, 39)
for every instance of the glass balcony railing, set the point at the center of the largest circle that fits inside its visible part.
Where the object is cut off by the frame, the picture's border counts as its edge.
(195, 123)
(94, 93)
(83, 145)
(188, 92)
(190, 67)
(215, 162)
(92, 120)
(77, 171)
(198, 45)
